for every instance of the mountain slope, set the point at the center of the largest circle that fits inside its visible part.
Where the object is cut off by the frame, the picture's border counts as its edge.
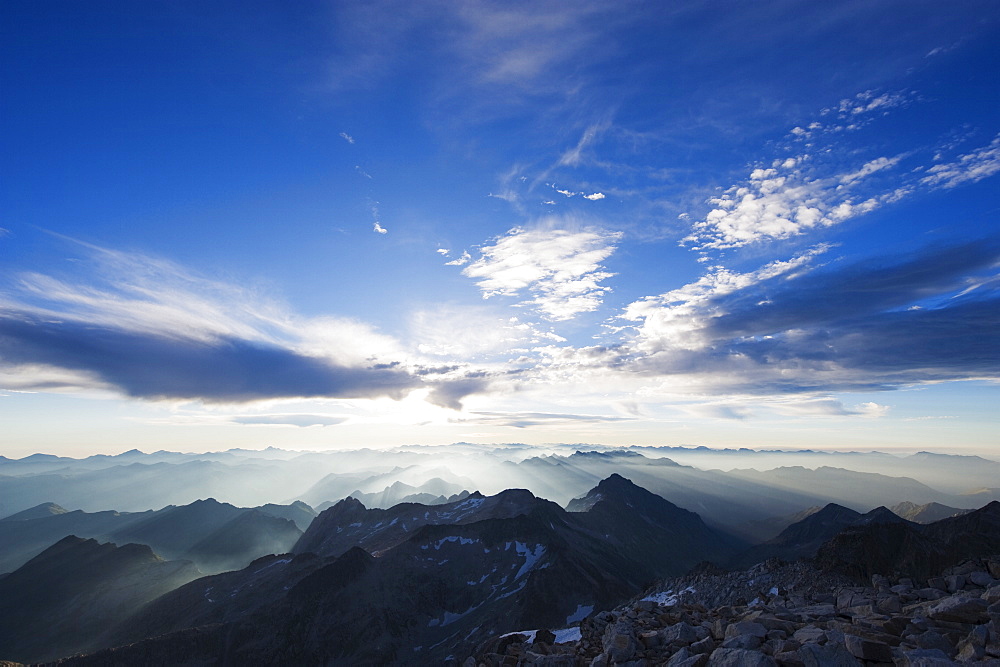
(62, 600)
(912, 549)
(445, 578)
(803, 538)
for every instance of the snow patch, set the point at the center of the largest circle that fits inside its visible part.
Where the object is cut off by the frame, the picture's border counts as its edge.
(531, 557)
(668, 598)
(582, 612)
(451, 538)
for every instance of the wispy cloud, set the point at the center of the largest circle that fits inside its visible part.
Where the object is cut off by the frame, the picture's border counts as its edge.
(299, 420)
(528, 419)
(379, 229)
(461, 260)
(968, 168)
(558, 268)
(346, 137)
(148, 328)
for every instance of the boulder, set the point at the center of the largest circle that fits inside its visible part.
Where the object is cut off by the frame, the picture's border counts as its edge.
(751, 628)
(735, 657)
(960, 610)
(865, 649)
(678, 632)
(828, 655)
(925, 657)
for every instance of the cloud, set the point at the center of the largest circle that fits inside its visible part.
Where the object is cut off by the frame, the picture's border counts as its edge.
(346, 137)
(527, 419)
(794, 328)
(969, 168)
(474, 332)
(443, 251)
(559, 269)
(225, 369)
(300, 420)
(595, 196)
(449, 393)
(575, 156)
(783, 200)
(462, 260)
(379, 229)
(149, 329)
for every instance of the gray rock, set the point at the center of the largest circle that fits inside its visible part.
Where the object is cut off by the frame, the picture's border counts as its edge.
(926, 657)
(934, 640)
(960, 610)
(552, 660)
(735, 657)
(678, 632)
(984, 579)
(866, 649)
(967, 651)
(788, 659)
(746, 628)
(619, 642)
(890, 604)
(706, 645)
(700, 660)
(954, 582)
(938, 583)
(828, 655)
(810, 634)
(930, 593)
(747, 642)
(992, 594)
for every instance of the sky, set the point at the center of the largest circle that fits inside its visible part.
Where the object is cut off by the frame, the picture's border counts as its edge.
(322, 225)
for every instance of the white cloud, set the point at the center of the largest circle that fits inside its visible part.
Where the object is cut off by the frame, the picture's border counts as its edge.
(869, 168)
(443, 251)
(461, 261)
(560, 269)
(379, 228)
(969, 168)
(595, 196)
(569, 193)
(474, 333)
(784, 200)
(346, 137)
(575, 156)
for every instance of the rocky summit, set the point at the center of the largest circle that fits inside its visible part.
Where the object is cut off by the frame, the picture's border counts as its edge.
(797, 616)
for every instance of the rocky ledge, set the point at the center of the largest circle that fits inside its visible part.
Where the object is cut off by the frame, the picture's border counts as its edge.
(782, 614)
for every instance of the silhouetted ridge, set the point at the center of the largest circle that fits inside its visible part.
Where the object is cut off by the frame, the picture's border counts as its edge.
(37, 512)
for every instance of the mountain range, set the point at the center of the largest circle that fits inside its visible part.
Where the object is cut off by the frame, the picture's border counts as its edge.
(419, 582)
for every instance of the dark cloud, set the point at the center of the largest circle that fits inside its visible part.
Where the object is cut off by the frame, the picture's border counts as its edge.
(449, 393)
(825, 297)
(220, 369)
(856, 328)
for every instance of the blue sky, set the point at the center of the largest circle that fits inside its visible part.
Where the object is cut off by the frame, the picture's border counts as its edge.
(336, 224)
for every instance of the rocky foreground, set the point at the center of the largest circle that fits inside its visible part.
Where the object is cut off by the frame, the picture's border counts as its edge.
(782, 614)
